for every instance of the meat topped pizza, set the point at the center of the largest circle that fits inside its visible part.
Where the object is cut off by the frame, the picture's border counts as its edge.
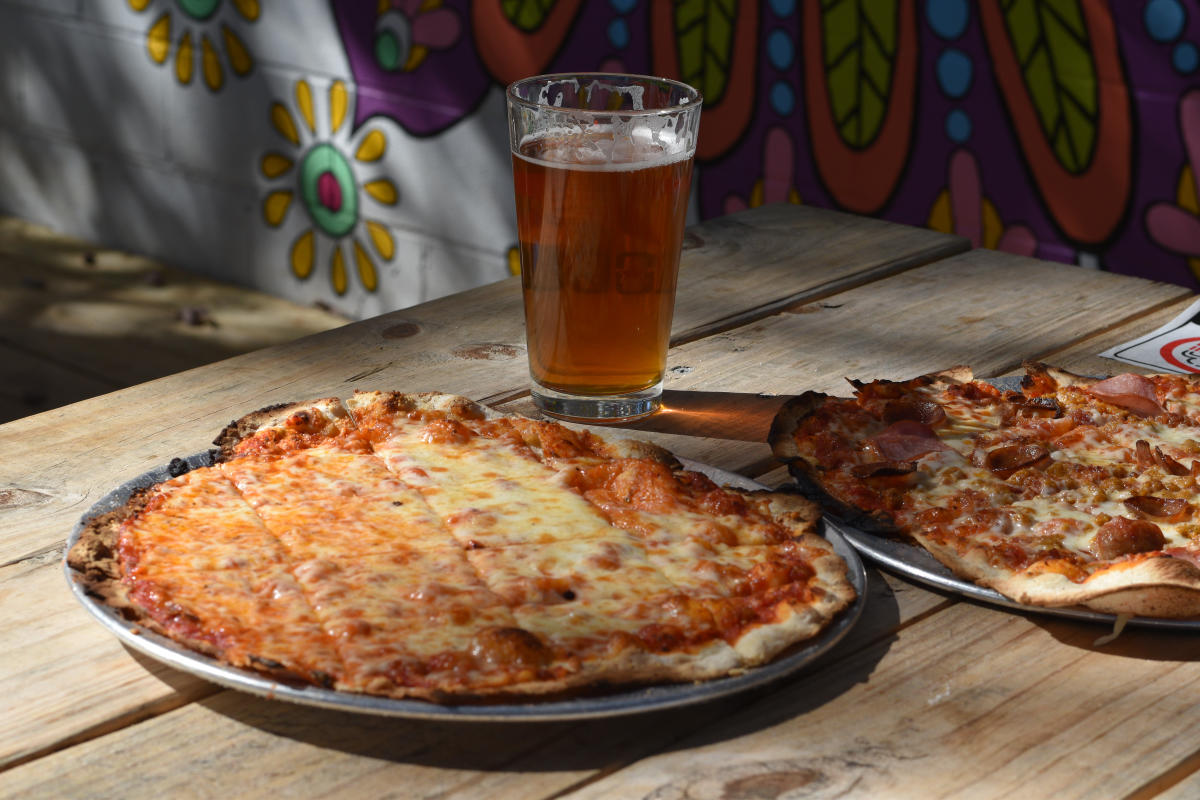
(424, 546)
(1068, 491)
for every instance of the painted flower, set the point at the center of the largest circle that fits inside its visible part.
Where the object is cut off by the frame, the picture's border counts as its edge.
(961, 208)
(332, 188)
(1177, 227)
(199, 36)
(777, 183)
(408, 29)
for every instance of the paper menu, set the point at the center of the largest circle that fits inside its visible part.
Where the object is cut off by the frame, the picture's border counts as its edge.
(1174, 347)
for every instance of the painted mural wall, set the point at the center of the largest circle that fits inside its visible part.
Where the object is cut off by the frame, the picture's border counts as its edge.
(353, 152)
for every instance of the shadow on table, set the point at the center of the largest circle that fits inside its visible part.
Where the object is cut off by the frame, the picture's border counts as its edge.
(586, 744)
(1134, 641)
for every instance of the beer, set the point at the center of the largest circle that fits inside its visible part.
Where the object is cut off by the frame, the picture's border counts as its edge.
(600, 225)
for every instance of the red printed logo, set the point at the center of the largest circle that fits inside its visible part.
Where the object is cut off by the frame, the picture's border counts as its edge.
(1183, 353)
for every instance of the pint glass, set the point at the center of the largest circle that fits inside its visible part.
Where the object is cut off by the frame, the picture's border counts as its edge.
(602, 166)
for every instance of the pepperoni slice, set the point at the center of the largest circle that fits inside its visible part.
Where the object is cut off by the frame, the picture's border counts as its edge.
(1122, 536)
(1169, 465)
(1008, 459)
(1168, 509)
(1132, 392)
(924, 411)
(907, 440)
(874, 468)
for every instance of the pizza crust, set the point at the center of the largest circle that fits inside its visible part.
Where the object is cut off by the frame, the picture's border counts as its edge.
(1159, 586)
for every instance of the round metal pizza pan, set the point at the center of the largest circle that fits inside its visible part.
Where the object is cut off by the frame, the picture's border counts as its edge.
(915, 563)
(616, 703)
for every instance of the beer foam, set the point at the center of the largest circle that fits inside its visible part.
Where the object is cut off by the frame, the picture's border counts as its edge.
(602, 149)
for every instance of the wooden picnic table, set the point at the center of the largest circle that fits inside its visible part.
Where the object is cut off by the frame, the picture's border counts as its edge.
(929, 695)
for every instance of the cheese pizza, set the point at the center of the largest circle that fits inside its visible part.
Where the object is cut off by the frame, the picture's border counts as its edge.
(424, 546)
(1068, 491)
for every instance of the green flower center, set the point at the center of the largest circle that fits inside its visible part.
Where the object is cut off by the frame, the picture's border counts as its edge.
(329, 190)
(393, 41)
(199, 9)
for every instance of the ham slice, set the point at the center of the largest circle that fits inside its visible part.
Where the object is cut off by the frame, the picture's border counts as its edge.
(1132, 392)
(907, 440)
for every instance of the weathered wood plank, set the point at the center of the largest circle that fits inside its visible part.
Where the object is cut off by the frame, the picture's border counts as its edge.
(33, 383)
(761, 250)
(1082, 357)
(62, 675)
(1180, 782)
(124, 319)
(968, 702)
(895, 328)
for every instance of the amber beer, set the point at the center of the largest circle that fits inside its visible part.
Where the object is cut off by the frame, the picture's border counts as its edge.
(600, 243)
(602, 165)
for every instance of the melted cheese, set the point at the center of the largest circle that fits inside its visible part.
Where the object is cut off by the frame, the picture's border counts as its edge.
(415, 551)
(322, 502)
(203, 565)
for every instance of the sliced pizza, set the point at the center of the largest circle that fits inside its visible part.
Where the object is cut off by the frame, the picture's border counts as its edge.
(424, 546)
(1068, 491)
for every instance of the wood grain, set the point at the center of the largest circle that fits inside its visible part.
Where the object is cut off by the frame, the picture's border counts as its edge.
(62, 675)
(968, 702)
(1083, 356)
(35, 383)
(126, 318)
(762, 252)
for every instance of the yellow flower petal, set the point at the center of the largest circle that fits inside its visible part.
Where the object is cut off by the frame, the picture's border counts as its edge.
(372, 147)
(339, 271)
(303, 255)
(1186, 192)
(385, 245)
(338, 103)
(757, 194)
(383, 190)
(239, 56)
(382, 6)
(139, 5)
(417, 55)
(941, 216)
(514, 261)
(158, 40)
(183, 59)
(366, 269)
(794, 198)
(274, 165)
(993, 226)
(247, 8)
(212, 65)
(304, 102)
(276, 205)
(282, 119)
